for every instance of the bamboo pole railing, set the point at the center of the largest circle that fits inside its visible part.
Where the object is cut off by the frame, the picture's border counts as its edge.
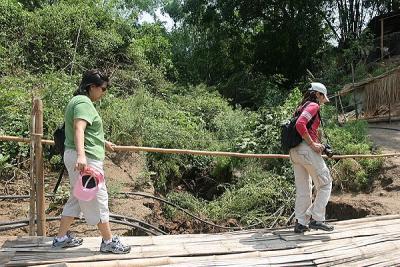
(200, 152)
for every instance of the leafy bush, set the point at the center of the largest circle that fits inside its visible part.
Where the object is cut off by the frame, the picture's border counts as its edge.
(12, 37)
(15, 109)
(53, 47)
(54, 89)
(195, 120)
(268, 127)
(186, 201)
(350, 174)
(253, 198)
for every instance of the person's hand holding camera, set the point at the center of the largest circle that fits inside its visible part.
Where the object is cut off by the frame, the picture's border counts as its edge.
(328, 151)
(317, 147)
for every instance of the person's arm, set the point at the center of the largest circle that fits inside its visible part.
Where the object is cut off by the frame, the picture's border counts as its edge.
(317, 147)
(110, 146)
(79, 139)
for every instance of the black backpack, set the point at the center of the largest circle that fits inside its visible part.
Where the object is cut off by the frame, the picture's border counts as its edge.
(58, 149)
(289, 136)
(59, 139)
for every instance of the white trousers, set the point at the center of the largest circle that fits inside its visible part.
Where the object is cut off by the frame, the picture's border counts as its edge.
(309, 167)
(95, 210)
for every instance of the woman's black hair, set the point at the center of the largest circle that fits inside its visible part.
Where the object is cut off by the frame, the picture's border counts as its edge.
(91, 77)
(309, 95)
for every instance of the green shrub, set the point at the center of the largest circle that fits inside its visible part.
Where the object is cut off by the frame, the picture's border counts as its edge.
(12, 37)
(196, 120)
(253, 198)
(15, 110)
(186, 201)
(349, 175)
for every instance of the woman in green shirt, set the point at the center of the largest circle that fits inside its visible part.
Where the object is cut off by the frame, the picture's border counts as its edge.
(85, 146)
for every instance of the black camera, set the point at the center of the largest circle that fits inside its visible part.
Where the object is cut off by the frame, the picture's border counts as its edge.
(328, 150)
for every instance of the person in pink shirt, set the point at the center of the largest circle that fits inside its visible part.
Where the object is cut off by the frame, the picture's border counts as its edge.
(309, 166)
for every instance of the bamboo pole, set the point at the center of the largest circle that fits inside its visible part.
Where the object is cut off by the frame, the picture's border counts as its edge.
(32, 200)
(337, 108)
(40, 199)
(341, 106)
(197, 152)
(205, 153)
(23, 139)
(382, 38)
(354, 92)
(365, 156)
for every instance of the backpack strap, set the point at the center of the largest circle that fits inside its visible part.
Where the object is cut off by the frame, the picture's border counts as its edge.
(313, 119)
(298, 112)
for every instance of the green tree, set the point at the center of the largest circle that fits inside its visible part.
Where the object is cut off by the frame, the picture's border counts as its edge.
(217, 40)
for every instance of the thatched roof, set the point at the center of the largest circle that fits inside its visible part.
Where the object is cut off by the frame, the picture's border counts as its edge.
(378, 91)
(359, 85)
(391, 23)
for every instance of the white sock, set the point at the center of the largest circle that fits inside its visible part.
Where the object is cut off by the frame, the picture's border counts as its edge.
(61, 239)
(107, 241)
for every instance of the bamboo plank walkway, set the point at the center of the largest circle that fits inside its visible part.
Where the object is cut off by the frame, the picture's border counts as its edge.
(368, 241)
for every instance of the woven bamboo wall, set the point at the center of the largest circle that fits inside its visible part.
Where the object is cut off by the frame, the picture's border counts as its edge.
(383, 91)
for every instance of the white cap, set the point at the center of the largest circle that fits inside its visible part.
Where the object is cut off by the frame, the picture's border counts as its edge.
(319, 87)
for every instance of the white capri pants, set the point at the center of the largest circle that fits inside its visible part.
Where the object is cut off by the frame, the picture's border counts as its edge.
(93, 211)
(307, 163)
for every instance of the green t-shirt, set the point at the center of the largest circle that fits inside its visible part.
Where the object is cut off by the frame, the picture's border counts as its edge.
(81, 107)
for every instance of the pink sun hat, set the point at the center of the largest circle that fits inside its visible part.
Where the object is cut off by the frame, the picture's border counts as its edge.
(88, 184)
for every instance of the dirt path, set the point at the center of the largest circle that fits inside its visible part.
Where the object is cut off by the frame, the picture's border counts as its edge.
(385, 197)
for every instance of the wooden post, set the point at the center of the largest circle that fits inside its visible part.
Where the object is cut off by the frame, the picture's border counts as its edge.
(382, 38)
(341, 105)
(354, 91)
(390, 115)
(40, 200)
(32, 191)
(337, 108)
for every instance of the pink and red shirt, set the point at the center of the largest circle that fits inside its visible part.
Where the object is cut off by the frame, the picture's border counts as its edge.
(301, 125)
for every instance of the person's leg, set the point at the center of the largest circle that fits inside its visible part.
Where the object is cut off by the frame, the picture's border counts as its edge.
(303, 189)
(97, 212)
(303, 194)
(65, 224)
(321, 177)
(323, 186)
(71, 209)
(105, 230)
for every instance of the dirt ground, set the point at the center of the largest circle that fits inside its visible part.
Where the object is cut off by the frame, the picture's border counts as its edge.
(124, 173)
(385, 196)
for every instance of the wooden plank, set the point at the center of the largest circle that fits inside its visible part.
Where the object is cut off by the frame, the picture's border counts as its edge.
(350, 243)
(344, 244)
(326, 236)
(368, 219)
(388, 259)
(94, 242)
(360, 253)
